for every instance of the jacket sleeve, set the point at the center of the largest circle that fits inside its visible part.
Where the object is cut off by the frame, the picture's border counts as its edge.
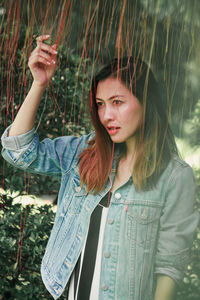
(177, 225)
(50, 157)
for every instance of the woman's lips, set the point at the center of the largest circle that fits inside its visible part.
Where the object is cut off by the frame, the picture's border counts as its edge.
(113, 130)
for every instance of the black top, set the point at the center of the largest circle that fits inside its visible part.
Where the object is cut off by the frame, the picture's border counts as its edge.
(87, 269)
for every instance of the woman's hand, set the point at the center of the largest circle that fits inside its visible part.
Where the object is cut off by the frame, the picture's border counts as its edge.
(43, 61)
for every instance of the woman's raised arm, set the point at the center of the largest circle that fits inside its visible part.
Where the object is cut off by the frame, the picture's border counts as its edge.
(42, 64)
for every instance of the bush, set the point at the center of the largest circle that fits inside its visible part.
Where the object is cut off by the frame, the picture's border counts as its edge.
(191, 288)
(24, 235)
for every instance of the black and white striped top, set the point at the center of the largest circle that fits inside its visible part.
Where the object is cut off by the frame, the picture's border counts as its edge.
(85, 280)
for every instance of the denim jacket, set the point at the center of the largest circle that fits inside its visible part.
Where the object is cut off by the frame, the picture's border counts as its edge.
(146, 233)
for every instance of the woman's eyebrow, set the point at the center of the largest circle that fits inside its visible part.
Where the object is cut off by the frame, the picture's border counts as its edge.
(111, 98)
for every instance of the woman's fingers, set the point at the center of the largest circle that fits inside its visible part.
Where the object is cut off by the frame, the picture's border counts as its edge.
(44, 46)
(39, 59)
(44, 55)
(42, 38)
(47, 48)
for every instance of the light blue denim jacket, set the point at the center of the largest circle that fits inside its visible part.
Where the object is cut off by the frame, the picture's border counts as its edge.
(146, 232)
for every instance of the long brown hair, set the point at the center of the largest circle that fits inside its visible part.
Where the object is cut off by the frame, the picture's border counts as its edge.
(155, 141)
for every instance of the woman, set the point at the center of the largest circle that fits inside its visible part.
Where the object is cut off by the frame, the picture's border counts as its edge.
(125, 217)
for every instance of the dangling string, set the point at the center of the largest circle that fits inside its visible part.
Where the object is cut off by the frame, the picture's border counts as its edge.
(63, 17)
(20, 240)
(111, 163)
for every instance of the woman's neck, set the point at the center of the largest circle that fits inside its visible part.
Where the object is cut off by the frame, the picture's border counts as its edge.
(130, 147)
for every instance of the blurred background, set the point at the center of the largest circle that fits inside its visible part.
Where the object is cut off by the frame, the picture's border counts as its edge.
(165, 33)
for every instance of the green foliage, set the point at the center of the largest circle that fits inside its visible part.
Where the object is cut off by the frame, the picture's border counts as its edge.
(24, 235)
(191, 287)
(195, 122)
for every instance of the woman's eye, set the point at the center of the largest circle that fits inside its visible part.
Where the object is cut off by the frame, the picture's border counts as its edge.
(117, 101)
(99, 103)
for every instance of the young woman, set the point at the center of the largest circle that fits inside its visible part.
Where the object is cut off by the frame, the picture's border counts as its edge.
(125, 220)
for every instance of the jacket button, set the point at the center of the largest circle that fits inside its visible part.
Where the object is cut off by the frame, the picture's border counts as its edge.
(104, 287)
(110, 221)
(77, 189)
(106, 254)
(118, 196)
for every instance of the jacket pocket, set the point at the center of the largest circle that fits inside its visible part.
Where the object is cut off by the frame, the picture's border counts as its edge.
(77, 197)
(142, 224)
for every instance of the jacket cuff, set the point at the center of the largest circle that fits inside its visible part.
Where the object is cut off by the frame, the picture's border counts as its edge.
(14, 143)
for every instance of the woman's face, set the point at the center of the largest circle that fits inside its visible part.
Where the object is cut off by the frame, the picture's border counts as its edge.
(120, 112)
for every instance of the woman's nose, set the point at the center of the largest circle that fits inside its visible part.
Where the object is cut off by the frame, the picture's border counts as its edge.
(109, 113)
